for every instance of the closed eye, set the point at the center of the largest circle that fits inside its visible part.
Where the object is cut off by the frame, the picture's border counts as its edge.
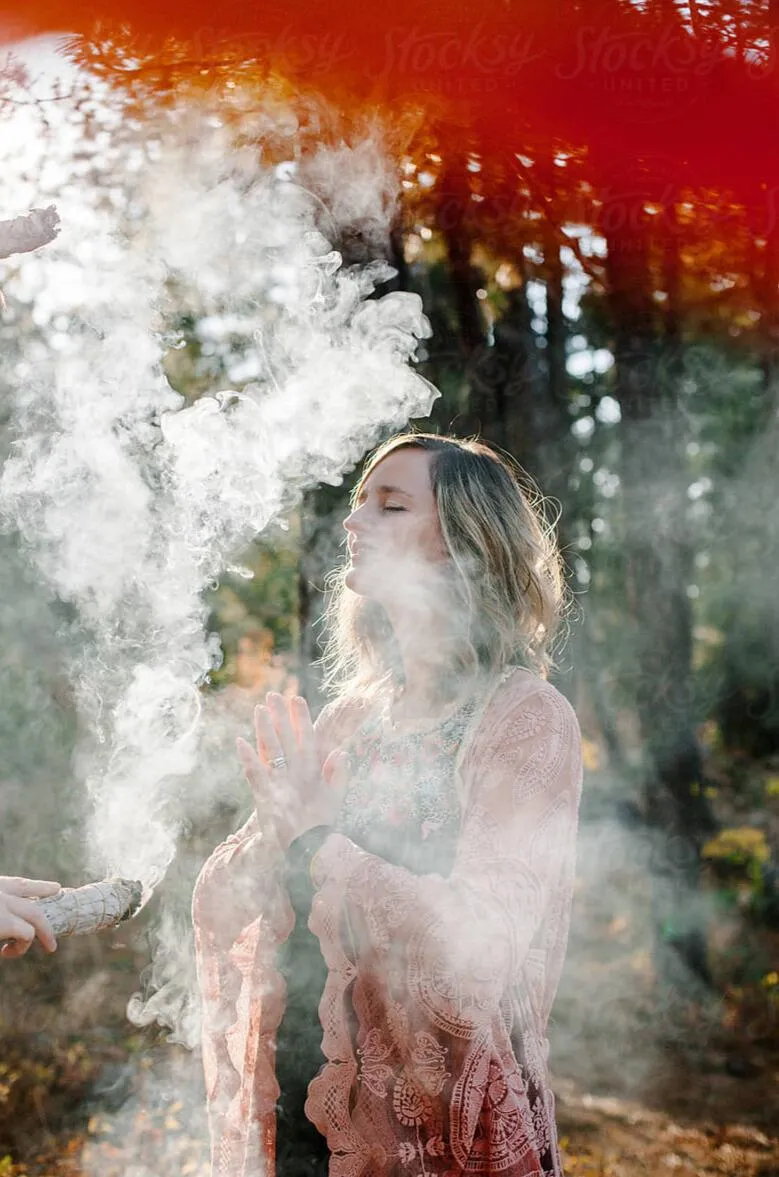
(386, 508)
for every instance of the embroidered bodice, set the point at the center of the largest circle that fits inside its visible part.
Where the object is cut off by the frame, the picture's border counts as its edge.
(402, 802)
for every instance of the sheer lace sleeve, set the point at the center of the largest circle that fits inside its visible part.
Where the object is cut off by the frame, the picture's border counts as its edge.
(240, 914)
(469, 934)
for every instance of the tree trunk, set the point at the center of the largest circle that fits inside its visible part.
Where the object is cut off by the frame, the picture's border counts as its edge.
(503, 379)
(658, 561)
(768, 298)
(555, 452)
(452, 218)
(747, 709)
(452, 209)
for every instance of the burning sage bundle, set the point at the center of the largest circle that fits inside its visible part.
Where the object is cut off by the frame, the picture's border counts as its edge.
(80, 911)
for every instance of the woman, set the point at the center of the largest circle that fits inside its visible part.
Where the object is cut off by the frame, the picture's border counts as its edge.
(380, 945)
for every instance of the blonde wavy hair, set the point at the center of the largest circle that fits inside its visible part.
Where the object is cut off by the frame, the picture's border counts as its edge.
(505, 572)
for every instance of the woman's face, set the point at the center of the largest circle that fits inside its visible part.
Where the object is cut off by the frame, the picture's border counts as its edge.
(394, 532)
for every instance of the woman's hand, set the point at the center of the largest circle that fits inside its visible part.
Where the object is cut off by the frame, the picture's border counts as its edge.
(21, 920)
(293, 789)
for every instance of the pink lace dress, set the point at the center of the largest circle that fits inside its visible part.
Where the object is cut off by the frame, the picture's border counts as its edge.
(441, 909)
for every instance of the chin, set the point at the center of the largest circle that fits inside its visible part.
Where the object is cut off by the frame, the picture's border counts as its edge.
(359, 582)
(354, 579)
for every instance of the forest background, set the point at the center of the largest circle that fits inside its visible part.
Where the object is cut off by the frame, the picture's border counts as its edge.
(602, 283)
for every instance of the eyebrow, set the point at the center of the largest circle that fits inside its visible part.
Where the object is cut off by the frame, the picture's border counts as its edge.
(398, 490)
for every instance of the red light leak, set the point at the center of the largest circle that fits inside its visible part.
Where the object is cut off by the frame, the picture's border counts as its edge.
(639, 96)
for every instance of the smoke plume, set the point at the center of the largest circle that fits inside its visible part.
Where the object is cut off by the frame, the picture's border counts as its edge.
(130, 502)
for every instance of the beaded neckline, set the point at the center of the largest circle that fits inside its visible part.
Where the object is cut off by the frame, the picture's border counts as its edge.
(376, 725)
(394, 732)
(397, 730)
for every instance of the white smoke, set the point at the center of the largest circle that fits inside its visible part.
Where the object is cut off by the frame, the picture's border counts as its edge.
(130, 503)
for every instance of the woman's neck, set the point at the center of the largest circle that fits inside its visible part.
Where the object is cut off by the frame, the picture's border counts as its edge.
(416, 696)
(427, 687)
(427, 680)
(423, 664)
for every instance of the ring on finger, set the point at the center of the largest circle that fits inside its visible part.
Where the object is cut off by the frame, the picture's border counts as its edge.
(278, 762)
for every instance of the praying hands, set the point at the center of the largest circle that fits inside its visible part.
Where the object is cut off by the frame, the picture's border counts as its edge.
(292, 788)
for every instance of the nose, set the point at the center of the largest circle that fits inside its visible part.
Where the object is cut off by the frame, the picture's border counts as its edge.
(354, 521)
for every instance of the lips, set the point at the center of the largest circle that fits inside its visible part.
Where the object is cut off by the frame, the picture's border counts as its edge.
(357, 551)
